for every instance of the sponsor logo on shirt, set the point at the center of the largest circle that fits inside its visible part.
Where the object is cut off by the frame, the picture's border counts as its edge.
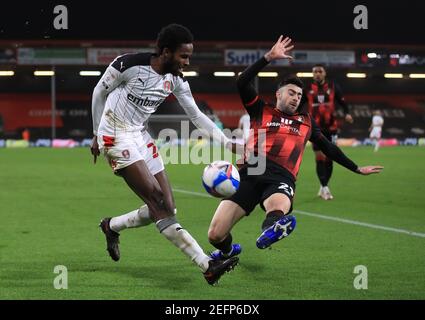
(285, 123)
(143, 102)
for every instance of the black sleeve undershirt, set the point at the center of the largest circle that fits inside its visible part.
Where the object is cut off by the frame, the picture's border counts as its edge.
(244, 82)
(247, 92)
(329, 149)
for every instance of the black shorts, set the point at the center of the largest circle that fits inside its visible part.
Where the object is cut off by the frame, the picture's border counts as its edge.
(331, 136)
(254, 190)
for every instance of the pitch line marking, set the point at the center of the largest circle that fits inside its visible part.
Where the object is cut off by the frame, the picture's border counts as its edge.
(325, 217)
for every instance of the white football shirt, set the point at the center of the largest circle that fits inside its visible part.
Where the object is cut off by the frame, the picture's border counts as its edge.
(377, 121)
(130, 91)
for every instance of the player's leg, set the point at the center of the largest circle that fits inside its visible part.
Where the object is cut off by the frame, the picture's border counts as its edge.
(165, 186)
(141, 181)
(320, 169)
(228, 213)
(326, 192)
(127, 159)
(120, 154)
(329, 168)
(147, 189)
(324, 168)
(140, 217)
(377, 140)
(277, 204)
(155, 165)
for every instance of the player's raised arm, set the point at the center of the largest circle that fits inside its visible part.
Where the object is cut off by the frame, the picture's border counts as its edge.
(246, 90)
(336, 154)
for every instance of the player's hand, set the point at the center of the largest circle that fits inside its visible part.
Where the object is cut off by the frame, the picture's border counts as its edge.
(349, 118)
(369, 170)
(280, 50)
(94, 149)
(236, 148)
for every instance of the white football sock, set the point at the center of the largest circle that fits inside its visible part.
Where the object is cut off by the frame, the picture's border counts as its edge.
(134, 219)
(376, 145)
(185, 242)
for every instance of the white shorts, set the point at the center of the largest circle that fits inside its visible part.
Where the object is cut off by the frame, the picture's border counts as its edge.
(122, 151)
(375, 133)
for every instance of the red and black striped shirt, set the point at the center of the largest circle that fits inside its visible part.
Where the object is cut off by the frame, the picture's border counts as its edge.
(280, 137)
(322, 99)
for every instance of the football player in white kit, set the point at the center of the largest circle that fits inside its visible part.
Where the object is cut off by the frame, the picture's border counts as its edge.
(130, 90)
(376, 128)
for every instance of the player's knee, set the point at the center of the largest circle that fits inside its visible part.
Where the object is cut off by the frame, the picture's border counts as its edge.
(278, 208)
(157, 202)
(283, 206)
(215, 236)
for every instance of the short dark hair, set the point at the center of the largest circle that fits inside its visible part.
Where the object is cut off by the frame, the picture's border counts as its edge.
(172, 37)
(319, 65)
(291, 80)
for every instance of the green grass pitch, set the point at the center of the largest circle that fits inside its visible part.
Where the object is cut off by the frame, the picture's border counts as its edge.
(52, 200)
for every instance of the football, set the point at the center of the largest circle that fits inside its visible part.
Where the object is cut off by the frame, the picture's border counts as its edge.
(221, 179)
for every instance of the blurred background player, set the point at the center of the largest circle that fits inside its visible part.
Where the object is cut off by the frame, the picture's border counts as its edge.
(131, 89)
(376, 128)
(26, 135)
(244, 125)
(322, 97)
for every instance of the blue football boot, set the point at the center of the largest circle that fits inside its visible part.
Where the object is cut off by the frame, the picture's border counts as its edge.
(219, 255)
(279, 230)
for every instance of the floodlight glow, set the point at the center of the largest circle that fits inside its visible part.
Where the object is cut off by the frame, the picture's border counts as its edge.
(44, 73)
(356, 75)
(190, 74)
(7, 73)
(224, 74)
(305, 75)
(393, 75)
(90, 73)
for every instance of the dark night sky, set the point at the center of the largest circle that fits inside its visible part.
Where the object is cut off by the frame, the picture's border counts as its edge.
(305, 21)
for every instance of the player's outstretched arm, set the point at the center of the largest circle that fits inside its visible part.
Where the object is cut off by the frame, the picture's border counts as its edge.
(336, 154)
(247, 91)
(200, 120)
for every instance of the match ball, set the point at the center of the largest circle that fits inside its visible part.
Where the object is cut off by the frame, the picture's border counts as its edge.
(221, 179)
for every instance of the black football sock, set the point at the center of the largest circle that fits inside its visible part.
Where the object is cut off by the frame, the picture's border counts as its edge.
(225, 246)
(322, 172)
(329, 168)
(271, 218)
